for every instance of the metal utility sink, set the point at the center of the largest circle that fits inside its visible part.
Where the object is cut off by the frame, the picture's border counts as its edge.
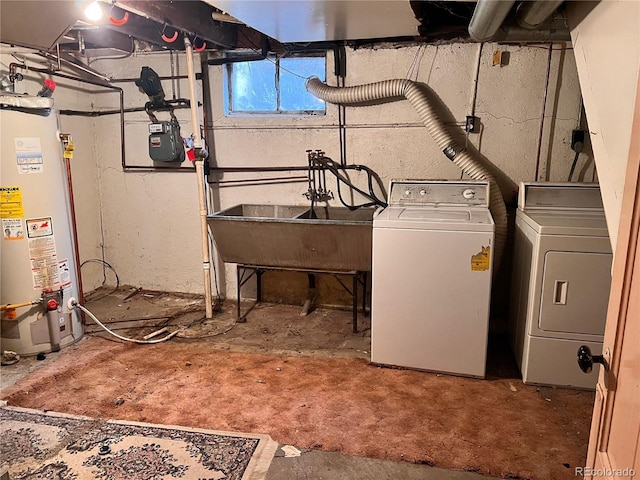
(339, 214)
(262, 211)
(330, 238)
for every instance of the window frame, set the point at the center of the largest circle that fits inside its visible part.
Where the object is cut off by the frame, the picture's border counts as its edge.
(228, 86)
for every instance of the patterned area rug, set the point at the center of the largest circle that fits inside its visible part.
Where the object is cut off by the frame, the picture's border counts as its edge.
(41, 445)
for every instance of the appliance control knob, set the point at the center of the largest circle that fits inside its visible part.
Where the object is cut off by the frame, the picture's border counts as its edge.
(407, 193)
(469, 193)
(423, 192)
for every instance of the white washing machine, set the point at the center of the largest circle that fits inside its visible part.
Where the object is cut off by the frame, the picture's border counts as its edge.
(431, 287)
(561, 281)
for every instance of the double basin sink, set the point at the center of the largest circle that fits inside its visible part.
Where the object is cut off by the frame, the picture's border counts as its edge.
(296, 237)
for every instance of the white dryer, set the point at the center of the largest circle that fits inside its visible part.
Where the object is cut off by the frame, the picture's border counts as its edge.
(560, 283)
(431, 287)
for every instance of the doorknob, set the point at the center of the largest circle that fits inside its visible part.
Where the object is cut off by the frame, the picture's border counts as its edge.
(586, 360)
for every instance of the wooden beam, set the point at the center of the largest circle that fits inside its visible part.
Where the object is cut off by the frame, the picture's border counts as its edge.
(189, 16)
(140, 28)
(107, 38)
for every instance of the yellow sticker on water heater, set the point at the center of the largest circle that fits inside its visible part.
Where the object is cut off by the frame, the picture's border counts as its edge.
(480, 262)
(11, 202)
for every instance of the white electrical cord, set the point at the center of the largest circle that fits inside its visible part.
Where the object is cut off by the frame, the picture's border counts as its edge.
(74, 304)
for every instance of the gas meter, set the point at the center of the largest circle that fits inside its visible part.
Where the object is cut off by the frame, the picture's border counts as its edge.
(165, 141)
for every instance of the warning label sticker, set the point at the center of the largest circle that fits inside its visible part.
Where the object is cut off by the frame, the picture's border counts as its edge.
(39, 227)
(64, 273)
(480, 262)
(42, 252)
(44, 263)
(11, 202)
(12, 229)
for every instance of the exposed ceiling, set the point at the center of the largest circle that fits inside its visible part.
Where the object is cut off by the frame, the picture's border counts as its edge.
(291, 21)
(274, 25)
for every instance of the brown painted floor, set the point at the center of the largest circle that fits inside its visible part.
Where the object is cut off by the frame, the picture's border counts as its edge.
(306, 381)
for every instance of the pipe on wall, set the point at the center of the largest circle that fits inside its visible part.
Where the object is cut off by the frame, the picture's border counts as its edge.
(538, 175)
(533, 14)
(487, 18)
(489, 15)
(200, 153)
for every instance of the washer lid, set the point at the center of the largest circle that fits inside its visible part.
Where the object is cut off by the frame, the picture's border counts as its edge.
(434, 215)
(435, 218)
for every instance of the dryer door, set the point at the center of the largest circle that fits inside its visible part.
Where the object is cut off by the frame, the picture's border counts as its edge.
(575, 292)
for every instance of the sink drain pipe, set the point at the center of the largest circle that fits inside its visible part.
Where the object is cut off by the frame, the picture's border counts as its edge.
(399, 88)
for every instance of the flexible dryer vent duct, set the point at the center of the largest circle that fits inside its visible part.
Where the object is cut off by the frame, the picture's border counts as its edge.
(418, 98)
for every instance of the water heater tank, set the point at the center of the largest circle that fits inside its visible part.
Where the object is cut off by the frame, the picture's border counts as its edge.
(36, 248)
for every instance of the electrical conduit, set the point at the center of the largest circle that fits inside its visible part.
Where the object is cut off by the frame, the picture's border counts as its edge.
(471, 166)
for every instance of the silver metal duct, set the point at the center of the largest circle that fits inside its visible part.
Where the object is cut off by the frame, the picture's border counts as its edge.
(488, 17)
(532, 14)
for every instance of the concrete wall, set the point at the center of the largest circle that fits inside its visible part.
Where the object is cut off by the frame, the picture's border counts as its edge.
(150, 221)
(389, 137)
(606, 41)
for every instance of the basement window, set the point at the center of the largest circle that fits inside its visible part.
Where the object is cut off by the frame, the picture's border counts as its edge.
(274, 86)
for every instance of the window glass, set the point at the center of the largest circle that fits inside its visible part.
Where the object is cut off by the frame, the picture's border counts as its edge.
(293, 94)
(253, 86)
(273, 86)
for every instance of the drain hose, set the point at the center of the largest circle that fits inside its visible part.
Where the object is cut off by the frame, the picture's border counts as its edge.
(125, 339)
(458, 155)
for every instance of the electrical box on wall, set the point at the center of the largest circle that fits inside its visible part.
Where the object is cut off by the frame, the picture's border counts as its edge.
(165, 142)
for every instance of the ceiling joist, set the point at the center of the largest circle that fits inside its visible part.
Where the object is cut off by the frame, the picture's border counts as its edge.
(191, 17)
(140, 28)
(105, 38)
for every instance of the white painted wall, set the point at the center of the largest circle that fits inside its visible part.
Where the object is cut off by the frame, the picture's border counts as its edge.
(606, 40)
(389, 137)
(150, 220)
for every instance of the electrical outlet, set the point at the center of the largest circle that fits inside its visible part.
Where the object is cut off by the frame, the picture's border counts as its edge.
(71, 303)
(472, 124)
(577, 140)
(500, 58)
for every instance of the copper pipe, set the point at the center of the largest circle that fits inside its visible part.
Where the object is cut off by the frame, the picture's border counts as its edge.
(74, 227)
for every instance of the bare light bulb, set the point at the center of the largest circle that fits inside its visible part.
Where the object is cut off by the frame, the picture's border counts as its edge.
(93, 12)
